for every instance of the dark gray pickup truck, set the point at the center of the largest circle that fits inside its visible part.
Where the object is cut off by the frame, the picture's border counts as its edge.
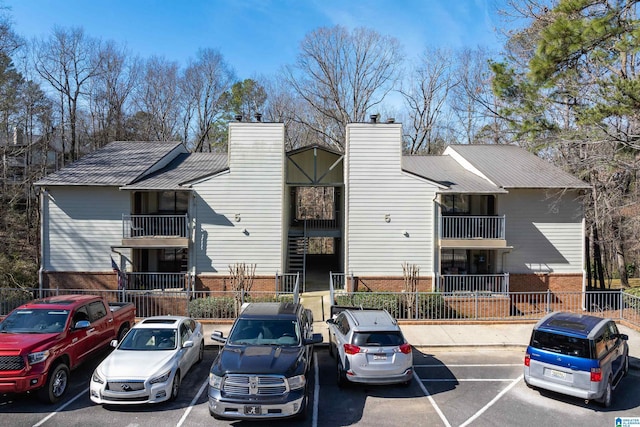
(261, 372)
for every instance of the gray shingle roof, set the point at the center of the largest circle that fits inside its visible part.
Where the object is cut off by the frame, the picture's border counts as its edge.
(183, 169)
(510, 166)
(117, 163)
(446, 171)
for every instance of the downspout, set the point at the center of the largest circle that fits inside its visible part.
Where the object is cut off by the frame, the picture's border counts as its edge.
(437, 248)
(44, 205)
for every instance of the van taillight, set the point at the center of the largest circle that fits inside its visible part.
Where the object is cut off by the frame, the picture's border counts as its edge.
(351, 349)
(596, 375)
(527, 359)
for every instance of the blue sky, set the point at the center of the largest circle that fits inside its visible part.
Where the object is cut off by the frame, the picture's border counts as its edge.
(258, 36)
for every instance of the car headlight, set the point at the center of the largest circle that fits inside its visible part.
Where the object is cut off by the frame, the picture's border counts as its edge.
(297, 382)
(215, 381)
(96, 378)
(160, 378)
(37, 357)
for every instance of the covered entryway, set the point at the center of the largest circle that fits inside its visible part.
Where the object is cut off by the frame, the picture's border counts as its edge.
(315, 223)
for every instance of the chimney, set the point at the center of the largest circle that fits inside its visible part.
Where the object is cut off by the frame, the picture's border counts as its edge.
(238, 117)
(258, 117)
(391, 120)
(374, 118)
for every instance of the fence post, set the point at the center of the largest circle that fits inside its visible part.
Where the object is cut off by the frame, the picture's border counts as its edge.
(417, 302)
(548, 310)
(621, 303)
(475, 293)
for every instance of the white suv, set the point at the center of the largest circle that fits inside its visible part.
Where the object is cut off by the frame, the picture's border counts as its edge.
(369, 348)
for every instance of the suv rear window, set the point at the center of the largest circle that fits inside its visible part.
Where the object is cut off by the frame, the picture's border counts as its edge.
(561, 344)
(378, 338)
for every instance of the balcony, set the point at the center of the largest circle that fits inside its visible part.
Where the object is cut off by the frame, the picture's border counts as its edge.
(469, 283)
(158, 281)
(472, 231)
(155, 231)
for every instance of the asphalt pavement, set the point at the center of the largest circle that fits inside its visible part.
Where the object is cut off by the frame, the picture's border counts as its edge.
(461, 335)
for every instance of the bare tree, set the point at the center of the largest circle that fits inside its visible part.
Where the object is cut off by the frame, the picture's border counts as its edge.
(425, 99)
(67, 60)
(205, 81)
(110, 91)
(157, 99)
(342, 76)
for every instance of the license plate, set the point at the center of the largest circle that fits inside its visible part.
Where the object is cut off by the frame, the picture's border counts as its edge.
(558, 374)
(379, 356)
(252, 410)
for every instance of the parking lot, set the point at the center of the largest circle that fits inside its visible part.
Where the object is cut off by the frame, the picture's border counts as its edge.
(452, 387)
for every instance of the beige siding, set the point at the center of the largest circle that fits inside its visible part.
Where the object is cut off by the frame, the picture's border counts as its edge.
(81, 226)
(253, 190)
(376, 189)
(545, 229)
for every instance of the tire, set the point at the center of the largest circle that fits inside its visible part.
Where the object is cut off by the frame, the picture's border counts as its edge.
(175, 387)
(200, 352)
(123, 331)
(56, 384)
(341, 377)
(606, 397)
(625, 367)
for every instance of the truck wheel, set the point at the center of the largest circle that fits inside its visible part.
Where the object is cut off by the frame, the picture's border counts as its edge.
(123, 331)
(175, 386)
(56, 385)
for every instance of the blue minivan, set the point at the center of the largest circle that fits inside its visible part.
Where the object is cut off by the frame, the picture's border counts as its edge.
(577, 355)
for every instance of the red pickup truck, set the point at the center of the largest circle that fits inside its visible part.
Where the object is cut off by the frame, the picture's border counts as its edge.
(42, 340)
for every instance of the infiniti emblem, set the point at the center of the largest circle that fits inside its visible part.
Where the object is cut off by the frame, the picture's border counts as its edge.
(125, 387)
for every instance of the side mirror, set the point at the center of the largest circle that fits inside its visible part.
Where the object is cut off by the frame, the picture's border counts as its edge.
(217, 336)
(187, 344)
(330, 321)
(315, 339)
(82, 324)
(113, 343)
(624, 337)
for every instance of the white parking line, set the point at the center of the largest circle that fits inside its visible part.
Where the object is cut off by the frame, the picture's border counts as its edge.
(316, 390)
(60, 408)
(491, 403)
(433, 402)
(193, 402)
(463, 380)
(491, 365)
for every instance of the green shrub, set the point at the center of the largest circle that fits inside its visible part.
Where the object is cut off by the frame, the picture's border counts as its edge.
(212, 308)
(430, 306)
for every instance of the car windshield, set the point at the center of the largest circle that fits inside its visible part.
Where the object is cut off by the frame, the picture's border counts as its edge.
(35, 321)
(391, 338)
(145, 339)
(559, 343)
(265, 332)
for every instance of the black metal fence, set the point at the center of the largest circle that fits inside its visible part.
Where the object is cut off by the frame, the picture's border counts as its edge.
(418, 306)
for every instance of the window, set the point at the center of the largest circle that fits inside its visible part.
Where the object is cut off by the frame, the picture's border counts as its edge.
(454, 261)
(561, 344)
(455, 204)
(97, 311)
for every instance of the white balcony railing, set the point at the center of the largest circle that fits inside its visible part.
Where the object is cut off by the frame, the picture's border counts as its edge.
(134, 226)
(157, 281)
(492, 283)
(472, 227)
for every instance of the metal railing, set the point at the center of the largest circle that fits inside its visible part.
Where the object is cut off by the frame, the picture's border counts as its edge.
(338, 282)
(472, 227)
(287, 283)
(137, 226)
(157, 281)
(495, 283)
(416, 306)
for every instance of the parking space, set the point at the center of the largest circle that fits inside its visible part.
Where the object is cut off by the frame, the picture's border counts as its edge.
(452, 387)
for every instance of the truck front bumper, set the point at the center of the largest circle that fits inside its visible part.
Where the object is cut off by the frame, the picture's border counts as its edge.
(289, 405)
(21, 384)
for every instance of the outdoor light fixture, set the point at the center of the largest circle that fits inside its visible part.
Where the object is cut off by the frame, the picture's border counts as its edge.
(405, 233)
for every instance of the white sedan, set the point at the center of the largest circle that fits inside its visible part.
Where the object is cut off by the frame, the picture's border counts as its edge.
(148, 364)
